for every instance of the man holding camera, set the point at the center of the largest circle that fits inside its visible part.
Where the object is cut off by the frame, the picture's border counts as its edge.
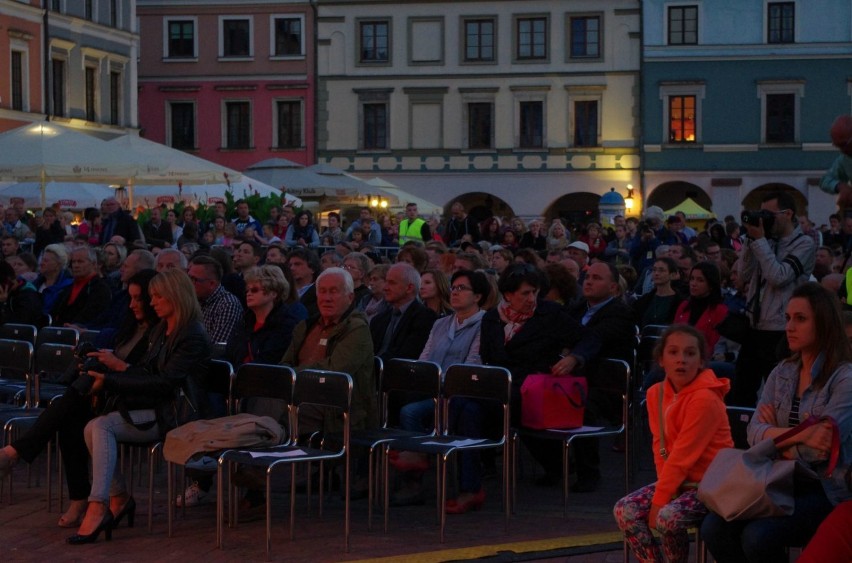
(776, 258)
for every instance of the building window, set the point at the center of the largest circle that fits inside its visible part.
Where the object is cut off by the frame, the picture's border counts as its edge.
(480, 125)
(375, 42)
(236, 37)
(181, 42)
(182, 125)
(114, 97)
(375, 126)
(531, 38)
(89, 10)
(683, 25)
(113, 13)
(585, 37)
(780, 118)
(238, 125)
(479, 41)
(586, 123)
(288, 34)
(781, 20)
(18, 82)
(91, 93)
(56, 5)
(682, 119)
(289, 126)
(58, 87)
(531, 125)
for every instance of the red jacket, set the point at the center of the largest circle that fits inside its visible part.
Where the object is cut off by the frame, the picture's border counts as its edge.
(696, 428)
(707, 322)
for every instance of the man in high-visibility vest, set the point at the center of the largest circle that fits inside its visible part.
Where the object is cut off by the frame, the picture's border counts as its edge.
(413, 227)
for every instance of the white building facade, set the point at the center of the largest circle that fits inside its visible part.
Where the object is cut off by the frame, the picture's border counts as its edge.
(524, 108)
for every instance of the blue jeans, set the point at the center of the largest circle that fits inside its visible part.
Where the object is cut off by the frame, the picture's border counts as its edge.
(764, 539)
(418, 416)
(102, 435)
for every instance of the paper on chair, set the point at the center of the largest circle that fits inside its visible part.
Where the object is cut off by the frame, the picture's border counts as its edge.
(577, 430)
(456, 443)
(287, 453)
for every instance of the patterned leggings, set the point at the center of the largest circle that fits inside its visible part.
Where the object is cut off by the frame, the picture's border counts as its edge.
(631, 514)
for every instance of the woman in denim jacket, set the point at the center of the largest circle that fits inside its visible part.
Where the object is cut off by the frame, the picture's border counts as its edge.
(815, 381)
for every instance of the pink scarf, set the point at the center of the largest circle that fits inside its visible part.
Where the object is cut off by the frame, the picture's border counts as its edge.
(514, 320)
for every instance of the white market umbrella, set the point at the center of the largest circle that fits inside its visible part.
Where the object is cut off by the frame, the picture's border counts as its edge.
(206, 193)
(314, 182)
(42, 152)
(69, 195)
(385, 188)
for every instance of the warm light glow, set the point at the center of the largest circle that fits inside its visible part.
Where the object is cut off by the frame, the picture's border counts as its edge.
(628, 201)
(384, 204)
(374, 201)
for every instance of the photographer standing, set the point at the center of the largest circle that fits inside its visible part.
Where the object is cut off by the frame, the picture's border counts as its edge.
(776, 258)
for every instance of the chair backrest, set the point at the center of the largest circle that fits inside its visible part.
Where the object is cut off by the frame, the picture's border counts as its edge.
(220, 387)
(378, 372)
(58, 335)
(331, 389)
(478, 382)
(16, 358)
(617, 379)
(739, 417)
(12, 331)
(409, 380)
(265, 381)
(653, 330)
(645, 353)
(53, 360)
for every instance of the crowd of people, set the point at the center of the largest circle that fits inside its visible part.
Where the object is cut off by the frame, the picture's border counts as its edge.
(533, 297)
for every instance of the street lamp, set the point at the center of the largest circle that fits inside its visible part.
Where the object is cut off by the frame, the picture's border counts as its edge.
(628, 201)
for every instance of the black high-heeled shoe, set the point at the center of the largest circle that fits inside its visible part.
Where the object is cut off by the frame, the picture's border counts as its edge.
(105, 526)
(129, 510)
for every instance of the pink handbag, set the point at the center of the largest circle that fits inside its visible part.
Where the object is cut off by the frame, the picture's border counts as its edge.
(553, 401)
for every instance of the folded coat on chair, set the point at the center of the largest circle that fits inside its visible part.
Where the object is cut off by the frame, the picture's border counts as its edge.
(238, 431)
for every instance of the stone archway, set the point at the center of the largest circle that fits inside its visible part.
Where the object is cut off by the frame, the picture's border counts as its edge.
(753, 198)
(574, 209)
(669, 194)
(481, 206)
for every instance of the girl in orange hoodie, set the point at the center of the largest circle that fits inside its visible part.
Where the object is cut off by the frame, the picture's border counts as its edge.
(686, 413)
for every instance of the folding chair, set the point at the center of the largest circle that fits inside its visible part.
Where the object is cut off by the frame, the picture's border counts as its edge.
(415, 378)
(16, 362)
(89, 336)
(614, 368)
(51, 362)
(251, 381)
(738, 418)
(12, 331)
(313, 387)
(58, 335)
(485, 383)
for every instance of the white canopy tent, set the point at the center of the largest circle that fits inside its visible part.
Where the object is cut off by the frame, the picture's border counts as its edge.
(69, 195)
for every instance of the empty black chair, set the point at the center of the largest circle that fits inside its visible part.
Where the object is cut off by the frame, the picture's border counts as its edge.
(485, 383)
(58, 335)
(738, 418)
(12, 331)
(313, 387)
(16, 380)
(51, 363)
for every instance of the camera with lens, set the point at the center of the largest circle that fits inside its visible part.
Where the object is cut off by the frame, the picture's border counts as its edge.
(89, 363)
(753, 218)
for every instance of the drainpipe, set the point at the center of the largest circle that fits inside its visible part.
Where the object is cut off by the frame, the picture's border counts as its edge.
(641, 98)
(45, 104)
(315, 89)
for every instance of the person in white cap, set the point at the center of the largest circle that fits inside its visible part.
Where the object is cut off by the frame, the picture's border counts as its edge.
(578, 251)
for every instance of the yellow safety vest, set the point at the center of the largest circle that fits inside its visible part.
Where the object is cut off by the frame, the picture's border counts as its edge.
(410, 230)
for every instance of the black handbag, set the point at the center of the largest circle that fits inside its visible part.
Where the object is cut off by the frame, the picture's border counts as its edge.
(736, 326)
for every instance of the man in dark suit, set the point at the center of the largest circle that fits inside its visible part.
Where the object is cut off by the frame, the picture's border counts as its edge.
(609, 331)
(402, 330)
(157, 232)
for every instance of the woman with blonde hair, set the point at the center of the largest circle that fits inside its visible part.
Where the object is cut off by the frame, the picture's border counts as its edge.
(557, 236)
(435, 292)
(145, 396)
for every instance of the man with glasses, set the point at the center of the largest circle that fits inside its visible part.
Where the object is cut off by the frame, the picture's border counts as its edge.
(220, 309)
(774, 263)
(838, 179)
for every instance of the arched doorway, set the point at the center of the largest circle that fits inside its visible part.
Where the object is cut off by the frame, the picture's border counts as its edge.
(481, 206)
(574, 209)
(669, 194)
(754, 197)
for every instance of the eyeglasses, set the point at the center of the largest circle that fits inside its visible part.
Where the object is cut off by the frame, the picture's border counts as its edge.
(255, 290)
(457, 288)
(350, 267)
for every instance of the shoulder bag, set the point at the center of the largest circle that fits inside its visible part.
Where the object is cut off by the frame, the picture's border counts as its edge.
(754, 483)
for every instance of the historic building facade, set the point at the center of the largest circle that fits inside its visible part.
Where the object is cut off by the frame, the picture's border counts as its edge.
(524, 108)
(738, 97)
(231, 82)
(73, 62)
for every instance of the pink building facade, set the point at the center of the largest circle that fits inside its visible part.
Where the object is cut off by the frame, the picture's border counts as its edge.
(21, 92)
(231, 82)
